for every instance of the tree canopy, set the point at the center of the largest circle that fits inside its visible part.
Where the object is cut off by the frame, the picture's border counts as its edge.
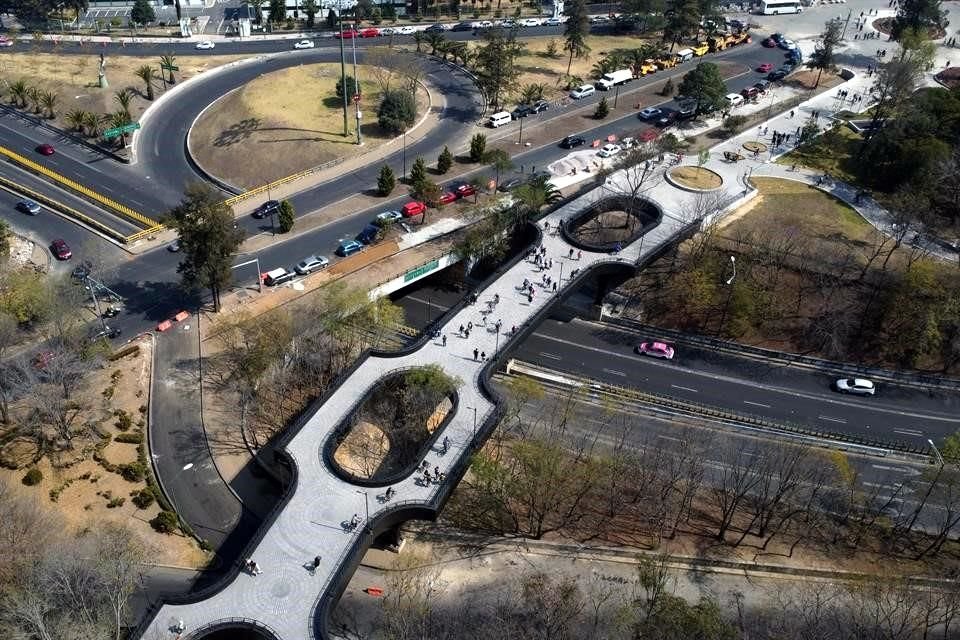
(397, 111)
(496, 64)
(705, 86)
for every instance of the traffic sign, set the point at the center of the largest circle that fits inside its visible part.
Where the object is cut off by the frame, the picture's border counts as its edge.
(127, 128)
(170, 67)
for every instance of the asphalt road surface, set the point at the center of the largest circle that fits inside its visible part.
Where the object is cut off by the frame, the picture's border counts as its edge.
(603, 352)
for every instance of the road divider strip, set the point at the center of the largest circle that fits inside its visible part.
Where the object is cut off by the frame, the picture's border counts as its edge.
(79, 188)
(64, 209)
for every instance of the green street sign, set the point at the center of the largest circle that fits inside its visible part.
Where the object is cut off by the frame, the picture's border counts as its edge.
(170, 67)
(127, 128)
(419, 271)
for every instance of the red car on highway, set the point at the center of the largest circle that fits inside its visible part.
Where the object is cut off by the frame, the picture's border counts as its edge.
(369, 32)
(61, 250)
(413, 208)
(655, 349)
(347, 33)
(46, 149)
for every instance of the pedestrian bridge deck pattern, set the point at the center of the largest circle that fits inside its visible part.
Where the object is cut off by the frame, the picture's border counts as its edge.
(285, 596)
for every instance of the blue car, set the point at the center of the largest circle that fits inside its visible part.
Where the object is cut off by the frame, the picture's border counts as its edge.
(348, 248)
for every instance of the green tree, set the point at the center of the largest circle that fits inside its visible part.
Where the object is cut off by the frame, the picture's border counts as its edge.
(419, 37)
(705, 86)
(142, 12)
(75, 118)
(823, 57)
(426, 191)
(397, 111)
(495, 64)
(5, 235)
(918, 15)
(530, 198)
(444, 161)
(116, 120)
(386, 181)
(310, 7)
(286, 216)
(478, 147)
(499, 160)
(208, 240)
(169, 60)
(18, 93)
(435, 40)
(603, 109)
(682, 20)
(149, 75)
(532, 92)
(123, 98)
(575, 32)
(48, 100)
(418, 172)
(331, 19)
(734, 124)
(353, 87)
(277, 12)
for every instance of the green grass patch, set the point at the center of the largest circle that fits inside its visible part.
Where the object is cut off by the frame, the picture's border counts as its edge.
(834, 152)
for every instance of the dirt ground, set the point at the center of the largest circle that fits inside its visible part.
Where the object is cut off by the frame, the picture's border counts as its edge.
(609, 226)
(289, 120)
(696, 177)
(79, 488)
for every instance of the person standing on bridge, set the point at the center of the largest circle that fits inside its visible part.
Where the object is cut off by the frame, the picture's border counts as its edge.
(316, 562)
(444, 339)
(476, 354)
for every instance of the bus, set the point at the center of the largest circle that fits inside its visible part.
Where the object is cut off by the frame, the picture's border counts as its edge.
(776, 7)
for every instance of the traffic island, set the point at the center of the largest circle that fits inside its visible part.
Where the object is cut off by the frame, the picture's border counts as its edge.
(690, 178)
(286, 122)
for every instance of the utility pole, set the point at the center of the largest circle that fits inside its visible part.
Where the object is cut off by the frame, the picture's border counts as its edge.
(356, 84)
(846, 23)
(343, 72)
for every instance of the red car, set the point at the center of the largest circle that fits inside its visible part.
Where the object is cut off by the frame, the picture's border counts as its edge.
(447, 197)
(413, 208)
(347, 33)
(5, 42)
(465, 190)
(766, 67)
(769, 43)
(655, 349)
(46, 149)
(369, 32)
(61, 250)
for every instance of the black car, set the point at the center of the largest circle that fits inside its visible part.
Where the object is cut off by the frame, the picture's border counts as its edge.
(539, 106)
(434, 28)
(522, 111)
(268, 208)
(779, 74)
(669, 117)
(762, 86)
(511, 184)
(462, 26)
(572, 141)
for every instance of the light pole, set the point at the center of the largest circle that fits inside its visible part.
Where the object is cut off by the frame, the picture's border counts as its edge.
(474, 421)
(520, 141)
(726, 305)
(936, 451)
(356, 84)
(404, 177)
(200, 363)
(616, 97)
(733, 262)
(366, 508)
(343, 72)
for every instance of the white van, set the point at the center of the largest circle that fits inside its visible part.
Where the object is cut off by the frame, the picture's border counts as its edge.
(583, 91)
(734, 99)
(278, 276)
(684, 54)
(500, 118)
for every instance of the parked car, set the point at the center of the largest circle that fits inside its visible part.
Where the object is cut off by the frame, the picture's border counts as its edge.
(856, 386)
(447, 197)
(553, 22)
(435, 28)
(303, 44)
(5, 42)
(667, 118)
(388, 31)
(779, 74)
(686, 110)
(609, 150)
(61, 250)
(655, 349)
(762, 86)
(106, 332)
(311, 264)
(348, 248)
(46, 149)
(270, 207)
(521, 111)
(369, 32)
(777, 37)
(750, 93)
(539, 106)
(29, 207)
(650, 113)
(583, 91)
(766, 67)
(734, 99)
(530, 22)
(572, 141)
(174, 246)
(509, 184)
(388, 216)
(405, 30)
(347, 34)
(205, 44)
(413, 208)
(463, 26)
(769, 43)
(787, 44)
(278, 276)
(465, 190)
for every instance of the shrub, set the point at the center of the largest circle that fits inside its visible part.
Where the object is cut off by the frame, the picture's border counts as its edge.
(32, 477)
(352, 87)
(134, 437)
(124, 421)
(386, 181)
(165, 522)
(285, 216)
(478, 147)
(445, 160)
(667, 88)
(397, 111)
(116, 502)
(733, 124)
(126, 351)
(603, 109)
(142, 498)
(132, 471)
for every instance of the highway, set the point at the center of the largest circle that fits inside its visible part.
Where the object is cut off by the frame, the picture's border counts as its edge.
(785, 394)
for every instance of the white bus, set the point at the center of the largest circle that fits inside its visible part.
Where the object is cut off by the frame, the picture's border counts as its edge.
(776, 7)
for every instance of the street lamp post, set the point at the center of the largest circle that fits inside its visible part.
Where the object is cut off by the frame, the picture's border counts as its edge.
(726, 305)
(474, 421)
(404, 177)
(356, 84)
(937, 451)
(366, 508)
(520, 141)
(616, 97)
(343, 72)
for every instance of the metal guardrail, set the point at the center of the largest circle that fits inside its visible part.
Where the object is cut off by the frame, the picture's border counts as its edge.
(79, 188)
(133, 237)
(830, 366)
(227, 622)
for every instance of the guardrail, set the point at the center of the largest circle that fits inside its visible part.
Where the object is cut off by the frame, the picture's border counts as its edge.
(794, 359)
(79, 188)
(64, 209)
(133, 237)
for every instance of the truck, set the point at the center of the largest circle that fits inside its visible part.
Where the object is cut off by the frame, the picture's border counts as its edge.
(614, 78)
(649, 66)
(718, 42)
(701, 49)
(666, 60)
(684, 54)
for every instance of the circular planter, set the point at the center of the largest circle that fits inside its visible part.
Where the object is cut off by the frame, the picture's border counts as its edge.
(697, 179)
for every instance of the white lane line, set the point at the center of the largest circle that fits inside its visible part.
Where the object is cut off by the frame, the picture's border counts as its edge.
(840, 420)
(676, 386)
(757, 404)
(906, 470)
(669, 438)
(909, 432)
(549, 355)
(615, 372)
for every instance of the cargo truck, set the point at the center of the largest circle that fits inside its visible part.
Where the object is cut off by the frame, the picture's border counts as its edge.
(614, 78)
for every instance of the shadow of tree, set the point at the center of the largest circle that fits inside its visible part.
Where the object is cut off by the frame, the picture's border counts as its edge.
(237, 132)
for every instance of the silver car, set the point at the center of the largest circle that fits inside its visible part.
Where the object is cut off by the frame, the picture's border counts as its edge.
(856, 386)
(311, 264)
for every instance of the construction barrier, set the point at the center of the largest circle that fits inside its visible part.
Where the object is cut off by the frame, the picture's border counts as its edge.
(163, 326)
(183, 315)
(374, 591)
(79, 188)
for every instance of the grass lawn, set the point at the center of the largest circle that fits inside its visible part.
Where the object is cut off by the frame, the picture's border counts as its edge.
(287, 121)
(833, 152)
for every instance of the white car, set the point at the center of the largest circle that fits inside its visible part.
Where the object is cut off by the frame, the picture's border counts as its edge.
(205, 44)
(609, 150)
(304, 44)
(5, 42)
(388, 31)
(530, 22)
(788, 44)
(553, 22)
(405, 30)
(484, 24)
(583, 91)
(856, 386)
(734, 99)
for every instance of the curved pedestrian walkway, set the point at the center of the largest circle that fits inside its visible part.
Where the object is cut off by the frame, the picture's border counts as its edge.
(291, 597)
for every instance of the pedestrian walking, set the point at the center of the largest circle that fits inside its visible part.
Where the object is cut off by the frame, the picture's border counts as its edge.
(390, 493)
(792, 113)
(316, 561)
(436, 472)
(546, 225)
(476, 352)
(444, 339)
(765, 129)
(570, 255)
(446, 444)
(579, 254)
(483, 356)
(530, 297)
(470, 325)
(554, 287)
(513, 330)
(496, 298)
(426, 475)
(484, 318)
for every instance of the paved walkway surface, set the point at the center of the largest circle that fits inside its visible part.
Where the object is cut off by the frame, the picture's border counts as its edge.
(284, 596)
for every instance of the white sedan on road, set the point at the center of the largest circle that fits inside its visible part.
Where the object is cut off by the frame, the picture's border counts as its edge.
(856, 386)
(304, 44)
(405, 30)
(609, 150)
(205, 44)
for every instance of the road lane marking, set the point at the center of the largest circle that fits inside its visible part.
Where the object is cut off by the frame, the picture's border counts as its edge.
(757, 404)
(840, 420)
(549, 355)
(906, 470)
(909, 432)
(669, 438)
(614, 372)
(676, 386)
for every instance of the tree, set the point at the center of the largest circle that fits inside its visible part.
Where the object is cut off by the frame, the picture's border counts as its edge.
(682, 20)
(919, 16)
(285, 216)
(208, 240)
(352, 86)
(532, 92)
(435, 40)
(418, 172)
(18, 93)
(119, 119)
(397, 111)
(142, 12)
(75, 118)
(148, 74)
(331, 19)
(734, 124)
(495, 64)
(824, 57)
(603, 109)
(310, 7)
(575, 32)
(48, 100)
(277, 12)
(705, 86)
(478, 147)
(123, 97)
(5, 235)
(169, 60)
(386, 181)
(444, 161)
(667, 88)
(499, 160)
